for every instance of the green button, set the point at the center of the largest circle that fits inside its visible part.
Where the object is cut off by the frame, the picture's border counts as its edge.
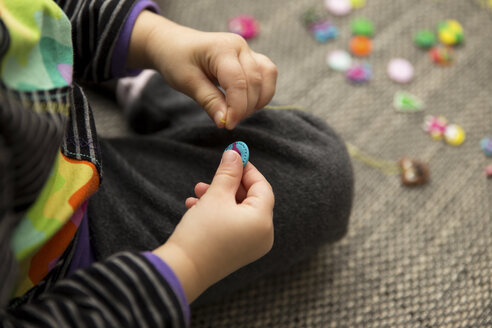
(362, 26)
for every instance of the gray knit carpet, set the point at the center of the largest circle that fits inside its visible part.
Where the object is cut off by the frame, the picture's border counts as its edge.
(413, 257)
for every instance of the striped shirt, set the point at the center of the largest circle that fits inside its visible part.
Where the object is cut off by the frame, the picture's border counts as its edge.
(46, 126)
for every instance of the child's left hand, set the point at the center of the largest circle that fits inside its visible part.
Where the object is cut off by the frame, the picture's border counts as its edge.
(197, 63)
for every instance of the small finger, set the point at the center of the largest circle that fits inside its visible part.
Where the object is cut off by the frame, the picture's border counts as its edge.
(190, 202)
(201, 188)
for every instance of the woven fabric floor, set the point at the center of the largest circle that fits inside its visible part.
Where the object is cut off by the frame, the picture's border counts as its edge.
(413, 257)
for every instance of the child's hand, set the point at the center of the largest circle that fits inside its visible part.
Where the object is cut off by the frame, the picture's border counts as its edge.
(195, 62)
(228, 225)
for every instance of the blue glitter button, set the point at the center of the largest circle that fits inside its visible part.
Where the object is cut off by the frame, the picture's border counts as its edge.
(241, 148)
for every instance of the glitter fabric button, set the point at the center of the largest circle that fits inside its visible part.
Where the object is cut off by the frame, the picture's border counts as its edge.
(486, 145)
(360, 46)
(435, 126)
(405, 102)
(362, 26)
(244, 25)
(442, 55)
(413, 172)
(357, 4)
(450, 32)
(359, 73)
(454, 135)
(424, 39)
(339, 60)
(241, 148)
(488, 171)
(338, 7)
(400, 70)
(323, 31)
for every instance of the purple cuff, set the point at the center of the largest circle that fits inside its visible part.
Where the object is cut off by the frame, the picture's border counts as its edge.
(168, 274)
(83, 255)
(120, 52)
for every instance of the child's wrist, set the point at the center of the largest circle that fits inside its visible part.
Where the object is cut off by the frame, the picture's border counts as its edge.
(140, 49)
(193, 282)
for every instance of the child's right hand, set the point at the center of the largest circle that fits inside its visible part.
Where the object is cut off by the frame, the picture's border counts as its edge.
(198, 63)
(228, 225)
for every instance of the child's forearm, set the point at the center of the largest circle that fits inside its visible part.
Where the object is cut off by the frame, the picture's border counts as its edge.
(142, 50)
(137, 50)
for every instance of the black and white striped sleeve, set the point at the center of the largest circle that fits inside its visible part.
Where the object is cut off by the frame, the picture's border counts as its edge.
(96, 25)
(124, 291)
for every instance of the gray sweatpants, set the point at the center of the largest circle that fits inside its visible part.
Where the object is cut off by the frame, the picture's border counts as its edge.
(148, 177)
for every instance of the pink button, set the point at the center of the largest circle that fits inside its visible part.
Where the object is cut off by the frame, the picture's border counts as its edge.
(244, 25)
(400, 70)
(338, 7)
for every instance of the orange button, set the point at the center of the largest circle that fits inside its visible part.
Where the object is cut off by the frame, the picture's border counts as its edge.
(360, 46)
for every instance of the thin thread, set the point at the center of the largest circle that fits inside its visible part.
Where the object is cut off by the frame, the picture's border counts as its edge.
(285, 107)
(385, 166)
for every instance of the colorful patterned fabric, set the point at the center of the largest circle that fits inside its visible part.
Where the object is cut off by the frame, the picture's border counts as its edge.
(36, 71)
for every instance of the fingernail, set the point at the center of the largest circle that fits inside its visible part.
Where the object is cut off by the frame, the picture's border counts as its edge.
(220, 119)
(229, 156)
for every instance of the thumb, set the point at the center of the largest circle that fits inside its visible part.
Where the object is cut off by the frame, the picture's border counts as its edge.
(229, 174)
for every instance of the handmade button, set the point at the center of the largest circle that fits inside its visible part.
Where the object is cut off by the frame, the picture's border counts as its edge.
(357, 4)
(362, 26)
(323, 31)
(442, 55)
(435, 126)
(360, 45)
(488, 171)
(359, 73)
(454, 135)
(424, 39)
(241, 148)
(400, 70)
(339, 60)
(413, 172)
(244, 25)
(338, 7)
(406, 102)
(450, 32)
(486, 145)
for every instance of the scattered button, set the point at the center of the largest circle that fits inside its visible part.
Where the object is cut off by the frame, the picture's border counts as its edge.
(488, 171)
(454, 135)
(360, 46)
(339, 60)
(359, 73)
(486, 145)
(362, 26)
(435, 126)
(338, 7)
(357, 4)
(244, 25)
(442, 55)
(424, 39)
(241, 148)
(323, 31)
(405, 102)
(450, 32)
(400, 70)
(413, 172)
